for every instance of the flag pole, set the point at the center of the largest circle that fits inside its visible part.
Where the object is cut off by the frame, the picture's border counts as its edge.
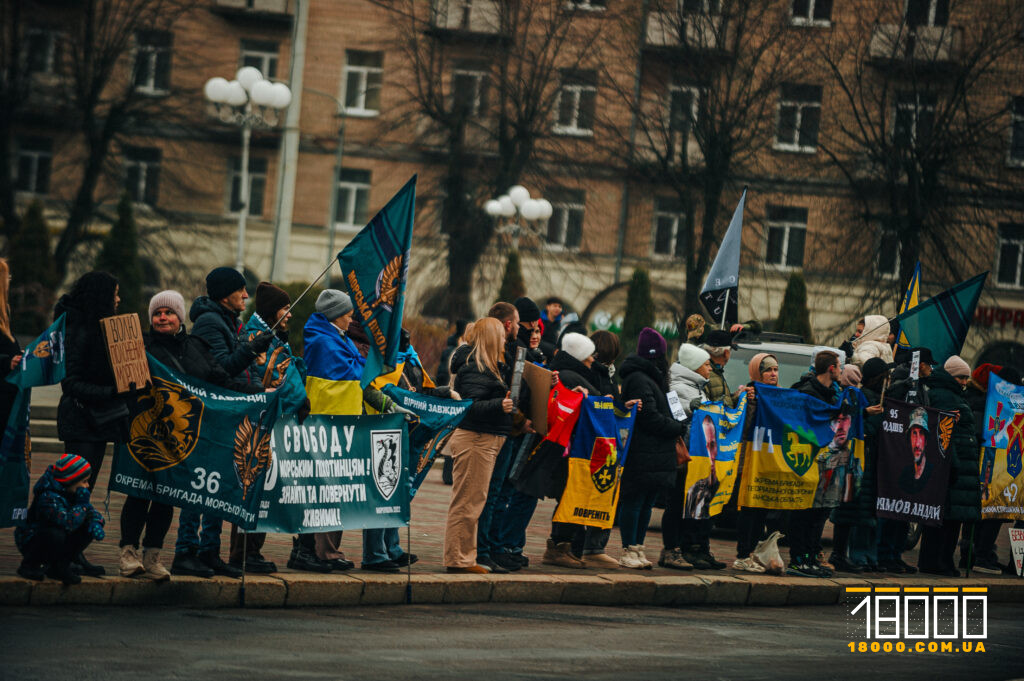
(296, 301)
(725, 309)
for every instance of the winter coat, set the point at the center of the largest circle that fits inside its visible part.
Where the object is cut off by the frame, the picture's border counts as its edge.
(860, 512)
(604, 375)
(652, 452)
(689, 385)
(717, 389)
(963, 501)
(487, 392)
(976, 399)
(190, 355)
(9, 349)
(444, 376)
(573, 373)
(221, 329)
(874, 342)
(813, 387)
(54, 506)
(88, 380)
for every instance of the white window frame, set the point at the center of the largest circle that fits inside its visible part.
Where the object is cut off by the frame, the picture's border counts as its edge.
(561, 208)
(1016, 119)
(479, 77)
(138, 194)
(53, 37)
(932, 7)
(351, 225)
(264, 56)
(678, 219)
(575, 90)
(151, 52)
(800, 105)
(34, 156)
(788, 226)
(254, 175)
(1019, 243)
(809, 20)
(364, 73)
(915, 107)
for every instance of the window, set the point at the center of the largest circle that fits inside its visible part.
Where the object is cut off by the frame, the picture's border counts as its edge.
(812, 12)
(588, 4)
(1016, 152)
(42, 50)
(576, 103)
(363, 72)
(927, 13)
(353, 199)
(565, 228)
(787, 229)
(915, 117)
(799, 118)
(142, 174)
(153, 61)
(888, 263)
(1011, 256)
(469, 91)
(682, 109)
(257, 185)
(35, 155)
(669, 222)
(261, 54)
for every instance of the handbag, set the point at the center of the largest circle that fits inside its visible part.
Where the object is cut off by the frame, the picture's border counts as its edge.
(104, 416)
(682, 453)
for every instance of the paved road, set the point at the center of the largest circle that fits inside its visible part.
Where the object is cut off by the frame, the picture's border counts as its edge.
(473, 642)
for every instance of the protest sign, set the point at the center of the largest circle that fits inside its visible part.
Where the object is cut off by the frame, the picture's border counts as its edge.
(126, 350)
(1002, 468)
(437, 420)
(715, 433)
(337, 473)
(539, 381)
(1017, 549)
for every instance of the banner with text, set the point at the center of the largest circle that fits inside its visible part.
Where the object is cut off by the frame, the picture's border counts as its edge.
(337, 473)
(1002, 468)
(715, 433)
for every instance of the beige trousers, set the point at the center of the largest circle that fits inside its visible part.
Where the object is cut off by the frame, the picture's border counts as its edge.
(473, 456)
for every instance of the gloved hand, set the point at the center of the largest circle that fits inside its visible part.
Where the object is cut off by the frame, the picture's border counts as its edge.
(96, 530)
(394, 408)
(82, 495)
(261, 342)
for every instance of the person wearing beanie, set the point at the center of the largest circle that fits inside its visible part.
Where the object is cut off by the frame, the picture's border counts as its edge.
(61, 522)
(850, 376)
(960, 370)
(529, 322)
(197, 549)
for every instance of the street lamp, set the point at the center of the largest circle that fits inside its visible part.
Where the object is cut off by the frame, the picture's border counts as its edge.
(516, 210)
(249, 101)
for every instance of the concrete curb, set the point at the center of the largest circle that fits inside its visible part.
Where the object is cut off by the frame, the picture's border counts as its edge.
(297, 590)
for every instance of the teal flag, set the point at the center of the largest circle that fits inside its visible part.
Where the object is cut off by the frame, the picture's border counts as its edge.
(941, 322)
(42, 363)
(375, 267)
(278, 368)
(195, 445)
(337, 473)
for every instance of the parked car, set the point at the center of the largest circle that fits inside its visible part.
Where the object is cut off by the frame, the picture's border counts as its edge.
(795, 357)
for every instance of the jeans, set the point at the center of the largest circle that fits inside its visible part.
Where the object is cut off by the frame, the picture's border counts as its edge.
(635, 504)
(189, 539)
(892, 538)
(487, 532)
(381, 545)
(511, 531)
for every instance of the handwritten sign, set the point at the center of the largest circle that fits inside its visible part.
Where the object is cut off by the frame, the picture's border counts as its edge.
(126, 350)
(539, 380)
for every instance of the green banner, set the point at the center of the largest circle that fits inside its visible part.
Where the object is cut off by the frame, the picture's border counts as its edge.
(197, 446)
(337, 473)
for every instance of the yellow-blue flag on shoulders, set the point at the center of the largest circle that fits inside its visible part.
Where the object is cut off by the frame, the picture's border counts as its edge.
(375, 267)
(910, 299)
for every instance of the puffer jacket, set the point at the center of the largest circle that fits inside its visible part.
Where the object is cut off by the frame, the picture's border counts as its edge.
(487, 392)
(717, 388)
(221, 329)
(605, 376)
(689, 385)
(652, 452)
(964, 497)
(574, 374)
(53, 506)
(190, 355)
(874, 342)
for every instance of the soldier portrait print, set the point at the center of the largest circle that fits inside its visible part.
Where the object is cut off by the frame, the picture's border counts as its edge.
(700, 494)
(386, 446)
(915, 474)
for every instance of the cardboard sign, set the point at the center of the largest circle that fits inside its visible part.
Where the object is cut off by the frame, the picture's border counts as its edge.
(678, 413)
(539, 380)
(126, 350)
(1017, 549)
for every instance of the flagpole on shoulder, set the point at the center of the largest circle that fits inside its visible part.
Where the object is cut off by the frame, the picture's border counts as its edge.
(301, 295)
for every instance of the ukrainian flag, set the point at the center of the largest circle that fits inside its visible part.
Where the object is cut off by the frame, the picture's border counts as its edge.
(910, 301)
(334, 368)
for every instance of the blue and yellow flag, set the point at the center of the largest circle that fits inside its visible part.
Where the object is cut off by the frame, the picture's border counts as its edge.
(801, 450)
(715, 434)
(1002, 451)
(42, 363)
(910, 299)
(597, 455)
(375, 267)
(941, 323)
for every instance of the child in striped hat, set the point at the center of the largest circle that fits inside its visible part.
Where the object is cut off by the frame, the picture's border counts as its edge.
(61, 522)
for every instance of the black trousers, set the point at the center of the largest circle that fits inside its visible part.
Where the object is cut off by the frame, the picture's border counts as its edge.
(750, 529)
(805, 528)
(56, 547)
(253, 544)
(938, 545)
(693, 532)
(986, 534)
(93, 452)
(841, 540)
(672, 518)
(143, 513)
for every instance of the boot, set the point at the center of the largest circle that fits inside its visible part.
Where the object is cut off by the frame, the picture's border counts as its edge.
(673, 558)
(153, 569)
(302, 559)
(255, 564)
(643, 559)
(600, 560)
(211, 560)
(31, 571)
(131, 564)
(187, 563)
(630, 559)
(83, 567)
(694, 555)
(561, 554)
(64, 573)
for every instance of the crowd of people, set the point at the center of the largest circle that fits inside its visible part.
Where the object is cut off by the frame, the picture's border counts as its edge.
(494, 492)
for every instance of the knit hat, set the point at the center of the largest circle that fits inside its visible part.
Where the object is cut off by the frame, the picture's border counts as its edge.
(528, 310)
(333, 303)
(718, 339)
(956, 367)
(70, 468)
(651, 344)
(578, 346)
(981, 374)
(760, 363)
(872, 369)
(691, 356)
(851, 376)
(171, 299)
(270, 299)
(221, 282)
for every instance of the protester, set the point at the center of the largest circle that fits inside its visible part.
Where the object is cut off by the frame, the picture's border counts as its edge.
(850, 377)
(10, 351)
(695, 329)
(874, 341)
(529, 323)
(446, 468)
(986, 532)
(61, 522)
(651, 466)
(91, 413)
(454, 341)
(475, 444)
(718, 344)
(551, 322)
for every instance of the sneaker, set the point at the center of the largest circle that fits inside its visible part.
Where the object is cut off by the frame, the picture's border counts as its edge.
(212, 560)
(600, 560)
(131, 563)
(630, 559)
(747, 564)
(491, 565)
(561, 554)
(153, 569)
(33, 572)
(695, 557)
(302, 559)
(673, 559)
(643, 559)
(802, 569)
(843, 565)
(407, 559)
(822, 570)
(508, 561)
(713, 564)
(988, 567)
(82, 566)
(64, 573)
(255, 564)
(472, 570)
(382, 566)
(188, 564)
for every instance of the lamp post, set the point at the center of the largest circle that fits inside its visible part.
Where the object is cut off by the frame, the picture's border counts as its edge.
(515, 211)
(248, 102)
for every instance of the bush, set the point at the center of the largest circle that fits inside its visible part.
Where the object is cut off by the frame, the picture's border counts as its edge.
(793, 315)
(120, 257)
(512, 284)
(639, 310)
(33, 276)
